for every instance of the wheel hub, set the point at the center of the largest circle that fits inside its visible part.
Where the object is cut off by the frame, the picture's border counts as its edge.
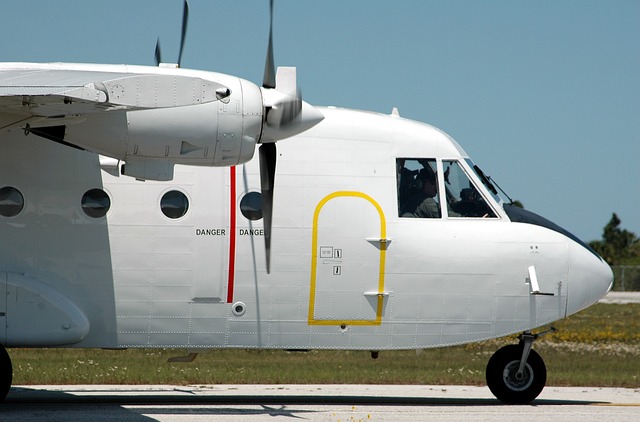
(517, 381)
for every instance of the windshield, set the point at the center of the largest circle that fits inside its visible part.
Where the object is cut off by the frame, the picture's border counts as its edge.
(486, 181)
(463, 199)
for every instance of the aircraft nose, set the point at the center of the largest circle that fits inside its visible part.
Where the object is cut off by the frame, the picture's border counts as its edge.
(591, 278)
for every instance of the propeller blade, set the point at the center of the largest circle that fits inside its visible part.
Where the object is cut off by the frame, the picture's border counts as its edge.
(269, 80)
(268, 156)
(185, 21)
(285, 115)
(158, 55)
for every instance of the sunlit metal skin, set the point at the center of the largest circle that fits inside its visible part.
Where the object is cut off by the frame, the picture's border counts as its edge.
(143, 280)
(134, 212)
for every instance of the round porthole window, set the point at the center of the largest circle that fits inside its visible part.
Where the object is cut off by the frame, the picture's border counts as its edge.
(95, 203)
(174, 204)
(11, 202)
(251, 206)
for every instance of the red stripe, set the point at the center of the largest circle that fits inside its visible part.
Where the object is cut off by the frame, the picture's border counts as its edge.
(232, 235)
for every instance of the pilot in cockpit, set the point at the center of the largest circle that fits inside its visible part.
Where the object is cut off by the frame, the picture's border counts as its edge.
(423, 203)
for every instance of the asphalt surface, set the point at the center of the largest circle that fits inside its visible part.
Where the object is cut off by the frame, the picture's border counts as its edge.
(310, 402)
(621, 297)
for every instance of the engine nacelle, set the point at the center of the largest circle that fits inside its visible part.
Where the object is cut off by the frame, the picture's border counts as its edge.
(151, 142)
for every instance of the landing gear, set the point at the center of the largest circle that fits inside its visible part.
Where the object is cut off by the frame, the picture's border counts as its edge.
(516, 374)
(6, 373)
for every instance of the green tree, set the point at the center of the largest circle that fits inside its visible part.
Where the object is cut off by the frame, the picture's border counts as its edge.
(618, 246)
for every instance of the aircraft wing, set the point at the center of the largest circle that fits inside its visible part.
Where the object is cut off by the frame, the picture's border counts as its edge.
(35, 93)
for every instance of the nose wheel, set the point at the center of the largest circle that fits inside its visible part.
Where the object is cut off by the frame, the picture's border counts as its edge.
(516, 374)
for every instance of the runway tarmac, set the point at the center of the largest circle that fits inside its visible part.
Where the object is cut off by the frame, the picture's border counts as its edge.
(621, 298)
(97, 403)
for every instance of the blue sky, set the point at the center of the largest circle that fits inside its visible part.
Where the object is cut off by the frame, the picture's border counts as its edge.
(544, 95)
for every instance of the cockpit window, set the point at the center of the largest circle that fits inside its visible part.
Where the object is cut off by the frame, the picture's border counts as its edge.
(417, 188)
(463, 199)
(486, 181)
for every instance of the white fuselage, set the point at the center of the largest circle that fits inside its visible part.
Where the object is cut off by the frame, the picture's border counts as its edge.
(347, 272)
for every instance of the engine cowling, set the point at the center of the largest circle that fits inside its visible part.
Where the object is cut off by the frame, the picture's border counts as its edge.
(220, 132)
(151, 142)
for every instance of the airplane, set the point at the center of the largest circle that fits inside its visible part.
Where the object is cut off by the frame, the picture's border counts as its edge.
(135, 214)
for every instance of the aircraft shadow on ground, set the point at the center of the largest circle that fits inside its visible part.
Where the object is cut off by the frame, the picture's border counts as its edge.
(38, 396)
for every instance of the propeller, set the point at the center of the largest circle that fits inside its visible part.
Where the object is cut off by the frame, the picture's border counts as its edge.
(183, 36)
(269, 80)
(185, 21)
(268, 151)
(285, 115)
(158, 54)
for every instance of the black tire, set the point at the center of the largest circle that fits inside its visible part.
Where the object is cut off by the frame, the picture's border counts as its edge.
(6, 373)
(502, 380)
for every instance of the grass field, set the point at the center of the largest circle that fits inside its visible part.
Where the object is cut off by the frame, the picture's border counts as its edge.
(597, 347)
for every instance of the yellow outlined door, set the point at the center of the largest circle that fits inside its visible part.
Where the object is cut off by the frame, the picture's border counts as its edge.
(348, 258)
